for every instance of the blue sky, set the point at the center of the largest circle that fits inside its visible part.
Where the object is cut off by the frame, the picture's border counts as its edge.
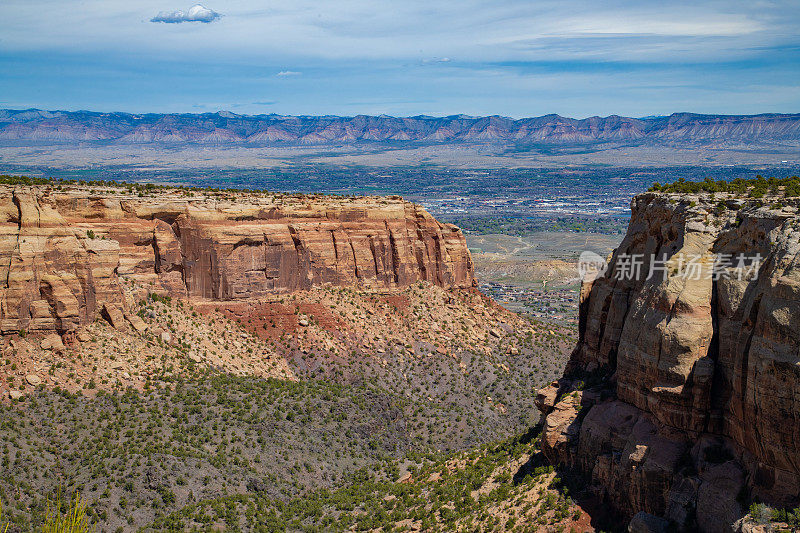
(402, 57)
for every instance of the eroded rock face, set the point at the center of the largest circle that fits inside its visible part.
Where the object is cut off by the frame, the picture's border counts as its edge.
(63, 253)
(702, 372)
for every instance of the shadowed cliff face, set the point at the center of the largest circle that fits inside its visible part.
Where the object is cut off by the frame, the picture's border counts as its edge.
(682, 398)
(64, 253)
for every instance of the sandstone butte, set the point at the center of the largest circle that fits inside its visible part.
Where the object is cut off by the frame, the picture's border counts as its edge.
(66, 251)
(681, 403)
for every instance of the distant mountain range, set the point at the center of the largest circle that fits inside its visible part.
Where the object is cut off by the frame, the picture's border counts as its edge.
(229, 128)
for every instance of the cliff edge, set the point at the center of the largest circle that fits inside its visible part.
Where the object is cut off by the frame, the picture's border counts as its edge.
(66, 250)
(682, 397)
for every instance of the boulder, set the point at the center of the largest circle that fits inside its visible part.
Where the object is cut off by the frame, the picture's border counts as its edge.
(748, 525)
(135, 320)
(546, 397)
(114, 315)
(52, 342)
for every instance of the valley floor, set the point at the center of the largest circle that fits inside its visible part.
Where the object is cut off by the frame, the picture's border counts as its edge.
(536, 274)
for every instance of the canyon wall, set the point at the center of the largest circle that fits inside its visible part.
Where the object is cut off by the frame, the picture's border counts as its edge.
(65, 252)
(682, 397)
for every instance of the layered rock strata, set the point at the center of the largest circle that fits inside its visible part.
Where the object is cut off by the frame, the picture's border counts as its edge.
(682, 397)
(64, 252)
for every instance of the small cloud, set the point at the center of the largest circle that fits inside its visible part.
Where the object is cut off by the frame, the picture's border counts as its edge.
(430, 60)
(196, 13)
(287, 73)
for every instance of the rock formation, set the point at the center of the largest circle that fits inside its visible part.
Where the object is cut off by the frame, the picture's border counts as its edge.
(682, 397)
(66, 250)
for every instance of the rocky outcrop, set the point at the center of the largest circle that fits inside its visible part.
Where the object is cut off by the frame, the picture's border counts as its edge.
(682, 398)
(65, 251)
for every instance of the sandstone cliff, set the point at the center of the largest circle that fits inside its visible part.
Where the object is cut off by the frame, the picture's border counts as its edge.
(682, 397)
(65, 251)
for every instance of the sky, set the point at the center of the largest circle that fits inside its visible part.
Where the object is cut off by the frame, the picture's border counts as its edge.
(516, 58)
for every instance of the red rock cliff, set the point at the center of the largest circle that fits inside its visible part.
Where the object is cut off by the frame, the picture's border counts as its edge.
(682, 398)
(64, 253)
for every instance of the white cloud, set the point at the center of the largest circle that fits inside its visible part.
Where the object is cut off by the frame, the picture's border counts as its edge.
(305, 33)
(196, 13)
(288, 73)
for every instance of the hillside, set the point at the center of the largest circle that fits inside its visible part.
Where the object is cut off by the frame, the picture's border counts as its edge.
(229, 128)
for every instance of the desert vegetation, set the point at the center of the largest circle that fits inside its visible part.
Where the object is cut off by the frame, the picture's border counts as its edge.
(757, 187)
(147, 189)
(249, 452)
(483, 225)
(499, 486)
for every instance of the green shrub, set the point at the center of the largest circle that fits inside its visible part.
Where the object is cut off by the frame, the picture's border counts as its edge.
(74, 520)
(4, 528)
(754, 188)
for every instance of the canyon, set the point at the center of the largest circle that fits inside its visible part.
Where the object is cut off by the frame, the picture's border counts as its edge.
(679, 405)
(677, 408)
(167, 349)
